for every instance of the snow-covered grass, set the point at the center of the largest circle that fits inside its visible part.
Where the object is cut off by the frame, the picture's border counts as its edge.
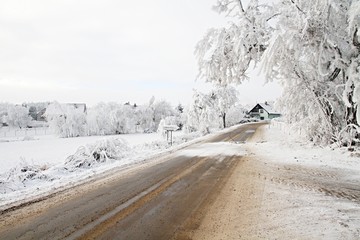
(308, 192)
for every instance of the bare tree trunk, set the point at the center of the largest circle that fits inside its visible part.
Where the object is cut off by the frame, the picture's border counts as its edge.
(223, 118)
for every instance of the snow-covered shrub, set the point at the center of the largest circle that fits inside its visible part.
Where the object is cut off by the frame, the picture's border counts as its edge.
(22, 175)
(99, 152)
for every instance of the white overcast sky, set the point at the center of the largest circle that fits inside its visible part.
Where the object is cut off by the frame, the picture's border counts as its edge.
(109, 50)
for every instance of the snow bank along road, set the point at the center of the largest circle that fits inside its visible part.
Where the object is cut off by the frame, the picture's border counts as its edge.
(158, 200)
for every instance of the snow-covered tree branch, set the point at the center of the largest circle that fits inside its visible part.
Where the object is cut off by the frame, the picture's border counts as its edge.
(207, 109)
(311, 47)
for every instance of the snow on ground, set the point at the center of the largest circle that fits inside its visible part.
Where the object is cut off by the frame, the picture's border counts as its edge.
(309, 192)
(50, 149)
(52, 163)
(286, 188)
(35, 168)
(279, 144)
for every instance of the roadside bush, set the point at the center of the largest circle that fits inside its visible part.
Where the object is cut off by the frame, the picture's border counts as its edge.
(100, 152)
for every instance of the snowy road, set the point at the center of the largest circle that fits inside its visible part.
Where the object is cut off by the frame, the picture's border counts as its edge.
(152, 201)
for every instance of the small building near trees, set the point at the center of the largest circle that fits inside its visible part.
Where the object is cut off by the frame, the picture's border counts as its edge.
(264, 111)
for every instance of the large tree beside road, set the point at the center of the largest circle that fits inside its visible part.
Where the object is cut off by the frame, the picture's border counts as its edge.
(311, 47)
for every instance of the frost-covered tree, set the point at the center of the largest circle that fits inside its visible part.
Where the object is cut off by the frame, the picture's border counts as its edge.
(107, 118)
(123, 119)
(144, 118)
(224, 97)
(18, 116)
(148, 117)
(225, 54)
(312, 47)
(161, 110)
(202, 113)
(111, 118)
(4, 112)
(99, 121)
(235, 114)
(206, 108)
(180, 108)
(66, 120)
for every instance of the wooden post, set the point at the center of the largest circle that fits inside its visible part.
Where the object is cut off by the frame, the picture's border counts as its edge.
(171, 137)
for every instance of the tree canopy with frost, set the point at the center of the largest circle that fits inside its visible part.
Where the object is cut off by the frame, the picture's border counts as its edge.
(311, 47)
(18, 116)
(207, 108)
(201, 114)
(66, 120)
(225, 97)
(107, 118)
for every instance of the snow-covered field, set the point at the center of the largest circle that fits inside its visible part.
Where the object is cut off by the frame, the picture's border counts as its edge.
(46, 164)
(51, 150)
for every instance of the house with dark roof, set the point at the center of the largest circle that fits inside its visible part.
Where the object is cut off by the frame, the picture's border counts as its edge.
(264, 111)
(40, 116)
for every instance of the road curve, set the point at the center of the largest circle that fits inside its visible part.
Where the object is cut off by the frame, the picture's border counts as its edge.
(161, 201)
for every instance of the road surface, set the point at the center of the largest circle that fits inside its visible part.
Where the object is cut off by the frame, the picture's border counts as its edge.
(156, 201)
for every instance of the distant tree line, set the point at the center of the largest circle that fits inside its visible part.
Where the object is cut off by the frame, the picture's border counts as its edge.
(218, 108)
(109, 118)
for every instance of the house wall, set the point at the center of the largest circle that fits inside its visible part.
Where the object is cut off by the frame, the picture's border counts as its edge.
(263, 115)
(272, 116)
(260, 113)
(254, 115)
(255, 112)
